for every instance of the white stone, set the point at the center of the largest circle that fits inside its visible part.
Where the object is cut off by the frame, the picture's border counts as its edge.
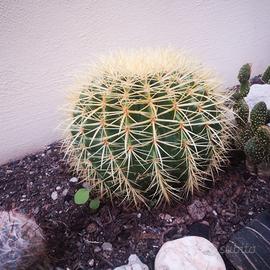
(134, 263)
(65, 192)
(257, 93)
(91, 262)
(54, 195)
(86, 185)
(165, 217)
(97, 249)
(106, 246)
(73, 180)
(189, 253)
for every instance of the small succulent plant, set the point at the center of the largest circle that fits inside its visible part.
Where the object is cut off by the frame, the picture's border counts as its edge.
(148, 126)
(21, 241)
(254, 133)
(82, 196)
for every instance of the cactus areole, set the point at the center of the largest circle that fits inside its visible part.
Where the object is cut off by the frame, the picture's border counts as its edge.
(148, 125)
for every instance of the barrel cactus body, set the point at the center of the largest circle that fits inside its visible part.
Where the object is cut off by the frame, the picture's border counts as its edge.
(148, 125)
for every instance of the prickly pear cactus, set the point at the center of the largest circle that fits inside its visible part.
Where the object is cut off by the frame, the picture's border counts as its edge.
(242, 113)
(257, 148)
(253, 132)
(266, 75)
(148, 125)
(21, 241)
(243, 77)
(268, 117)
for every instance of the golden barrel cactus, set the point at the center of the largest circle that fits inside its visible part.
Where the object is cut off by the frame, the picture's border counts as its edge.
(148, 125)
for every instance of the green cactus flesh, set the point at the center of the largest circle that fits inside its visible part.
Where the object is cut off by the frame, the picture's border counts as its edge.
(267, 117)
(266, 75)
(263, 136)
(254, 136)
(236, 97)
(148, 135)
(244, 73)
(244, 88)
(244, 135)
(242, 110)
(255, 151)
(258, 115)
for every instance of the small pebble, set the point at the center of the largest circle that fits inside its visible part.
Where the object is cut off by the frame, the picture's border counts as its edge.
(197, 210)
(36, 210)
(91, 262)
(165, 217)
(97, 249)
(86, 185)
(58, 188)
(73, 180)
(91, 228)
(54, 195)
(215, 213)
(23, 196)
(65, 192)
(139, 215)
(106, 246)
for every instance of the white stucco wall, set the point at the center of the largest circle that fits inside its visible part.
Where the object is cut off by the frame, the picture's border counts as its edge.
(43, 44)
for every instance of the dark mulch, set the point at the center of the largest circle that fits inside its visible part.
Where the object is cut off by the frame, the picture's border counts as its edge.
(75, 235)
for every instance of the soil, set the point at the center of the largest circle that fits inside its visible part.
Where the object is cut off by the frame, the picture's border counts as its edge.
(75, 235)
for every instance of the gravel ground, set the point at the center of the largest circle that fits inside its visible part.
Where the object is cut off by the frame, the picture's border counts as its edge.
(42, 186)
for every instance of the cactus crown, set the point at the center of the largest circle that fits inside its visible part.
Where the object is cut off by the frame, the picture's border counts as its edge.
(148, 125)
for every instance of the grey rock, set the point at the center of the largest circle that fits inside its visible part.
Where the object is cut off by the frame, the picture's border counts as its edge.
(249, 248)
